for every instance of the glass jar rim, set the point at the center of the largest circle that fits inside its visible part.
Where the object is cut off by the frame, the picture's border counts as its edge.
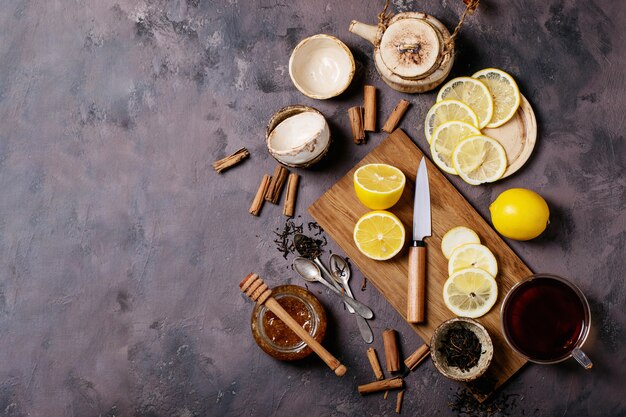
(301, 344)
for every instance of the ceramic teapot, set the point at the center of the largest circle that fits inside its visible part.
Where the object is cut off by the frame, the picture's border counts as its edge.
(413, 51)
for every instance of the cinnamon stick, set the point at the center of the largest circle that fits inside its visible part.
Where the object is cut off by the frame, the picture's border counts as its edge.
(371, 356)
(392, 355)
(417, 357)
(385, 384)
(356, 123)
(385, 395)
(257, 203)
(399, 401)
(267, 190)
(292, 192)
(276, 184)
(370, 108)
(395, 116)
(223, 164)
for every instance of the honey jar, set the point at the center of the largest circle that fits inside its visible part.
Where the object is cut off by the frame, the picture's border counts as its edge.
(274, 337)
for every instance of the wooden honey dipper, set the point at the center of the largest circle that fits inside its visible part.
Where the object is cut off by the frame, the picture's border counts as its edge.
(254, 287)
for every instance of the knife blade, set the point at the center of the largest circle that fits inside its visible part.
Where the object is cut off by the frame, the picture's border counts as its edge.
(417, 251)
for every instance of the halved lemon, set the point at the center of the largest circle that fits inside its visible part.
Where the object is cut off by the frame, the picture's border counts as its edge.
(470, 292)
(471, 92)
(379, 235)
(479, 159)
(473, 255)
(505, 94)
(445, 139)
(455, 237)
(379, 186)
(445, 111)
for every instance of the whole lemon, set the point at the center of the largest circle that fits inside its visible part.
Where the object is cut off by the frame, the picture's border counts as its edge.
(520, 214)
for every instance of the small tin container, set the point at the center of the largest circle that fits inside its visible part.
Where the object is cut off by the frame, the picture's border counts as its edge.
(274, 337)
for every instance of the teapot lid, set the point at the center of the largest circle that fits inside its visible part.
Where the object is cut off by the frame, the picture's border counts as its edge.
(410, 47)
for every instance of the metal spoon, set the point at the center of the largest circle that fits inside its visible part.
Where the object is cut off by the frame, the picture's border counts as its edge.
(310, 272)
(341, 272)
(307, 247)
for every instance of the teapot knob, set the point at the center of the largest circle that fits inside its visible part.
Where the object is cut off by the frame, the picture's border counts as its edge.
(413, 48)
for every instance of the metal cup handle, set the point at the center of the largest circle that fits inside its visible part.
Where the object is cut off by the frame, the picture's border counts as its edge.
(582, 359)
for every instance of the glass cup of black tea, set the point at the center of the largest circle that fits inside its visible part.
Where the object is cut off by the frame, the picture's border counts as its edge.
(546, 319)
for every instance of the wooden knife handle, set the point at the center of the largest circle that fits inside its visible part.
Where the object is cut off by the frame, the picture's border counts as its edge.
(417, 282)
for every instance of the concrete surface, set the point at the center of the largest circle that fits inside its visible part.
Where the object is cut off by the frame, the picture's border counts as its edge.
(121, 249)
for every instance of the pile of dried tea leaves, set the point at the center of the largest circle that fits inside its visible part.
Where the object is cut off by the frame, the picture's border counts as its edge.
(284, 237)
(461, 348)
(464, 403)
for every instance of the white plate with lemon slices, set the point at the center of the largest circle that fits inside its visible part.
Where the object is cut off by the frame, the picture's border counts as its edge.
(489, 109)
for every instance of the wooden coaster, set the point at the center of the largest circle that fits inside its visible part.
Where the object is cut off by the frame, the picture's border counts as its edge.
(518, 137)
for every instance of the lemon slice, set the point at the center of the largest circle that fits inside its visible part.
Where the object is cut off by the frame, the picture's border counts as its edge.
(455, 237)
(379, 186)
(471, 92)
(379, 235)
(470, 292)
(505, 94)
(445, 139)
(445, 111)
(479, 159)
(473, 255)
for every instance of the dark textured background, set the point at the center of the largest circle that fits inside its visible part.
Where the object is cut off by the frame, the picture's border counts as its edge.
(121, 249)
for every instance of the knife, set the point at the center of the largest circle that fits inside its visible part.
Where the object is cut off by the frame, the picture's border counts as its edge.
(417, 251)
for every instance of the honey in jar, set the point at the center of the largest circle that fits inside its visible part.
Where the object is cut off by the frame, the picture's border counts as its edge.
(274, 337)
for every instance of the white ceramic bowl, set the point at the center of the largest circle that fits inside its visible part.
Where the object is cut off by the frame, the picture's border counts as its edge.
(321, 67)
(298, 136)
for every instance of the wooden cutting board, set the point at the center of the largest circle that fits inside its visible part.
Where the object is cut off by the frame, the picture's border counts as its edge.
(338, 210)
